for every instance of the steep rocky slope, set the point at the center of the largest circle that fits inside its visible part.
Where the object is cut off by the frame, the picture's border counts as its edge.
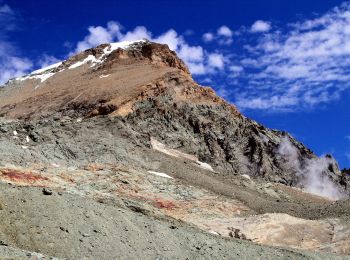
(125, 125)
(149, 87)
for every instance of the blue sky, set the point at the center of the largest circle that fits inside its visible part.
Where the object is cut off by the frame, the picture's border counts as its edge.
(283, 63)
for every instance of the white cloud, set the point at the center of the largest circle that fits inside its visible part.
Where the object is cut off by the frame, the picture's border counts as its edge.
(225, 31)
(216, 60)
(171, 38)
(98, 35)
(198, 60)
(347, 137)
(197, 68)
(208, 37)
(193, 56)
(140, 32)
(235, 68)
(266, 102)
(305, 67)
(191, 53)
(47, 60)
(260, 26)
(14, 67)
(10, 63)
(223, 36)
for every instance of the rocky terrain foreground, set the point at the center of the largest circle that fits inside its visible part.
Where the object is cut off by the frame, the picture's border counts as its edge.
(116, 153)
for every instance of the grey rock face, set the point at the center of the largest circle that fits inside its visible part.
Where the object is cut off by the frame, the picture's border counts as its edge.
(225, 139)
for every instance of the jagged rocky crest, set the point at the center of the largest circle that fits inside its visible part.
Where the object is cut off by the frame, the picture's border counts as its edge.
(148, 88)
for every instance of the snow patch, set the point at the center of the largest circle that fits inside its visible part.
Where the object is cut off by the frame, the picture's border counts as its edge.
(44, 77)
(53, 66)
(104, 76)
(205, 166)
(158, 146)
(246, 176)
(160, 174)
(90, 58)
(106, 51)
(214, 232)
(116, 45)
(41, 74)
(41, 77)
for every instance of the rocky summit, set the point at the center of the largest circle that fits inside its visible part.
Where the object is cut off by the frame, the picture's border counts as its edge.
(117, 153)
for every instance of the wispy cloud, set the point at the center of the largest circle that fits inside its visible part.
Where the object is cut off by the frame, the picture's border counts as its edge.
(7, 18)
(10, 63)
(301, 68)
(47, 60)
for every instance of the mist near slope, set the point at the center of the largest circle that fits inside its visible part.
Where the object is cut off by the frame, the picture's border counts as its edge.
(310, 172)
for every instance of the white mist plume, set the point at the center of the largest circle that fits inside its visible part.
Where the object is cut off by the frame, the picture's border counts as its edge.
(290, 153)
(311, 173)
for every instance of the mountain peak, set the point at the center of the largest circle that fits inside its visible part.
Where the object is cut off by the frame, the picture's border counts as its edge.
(102, 79)
(107, 54)
(93, 56)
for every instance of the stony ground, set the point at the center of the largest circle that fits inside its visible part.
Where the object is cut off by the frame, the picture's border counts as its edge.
(69, 226)
(84, 189)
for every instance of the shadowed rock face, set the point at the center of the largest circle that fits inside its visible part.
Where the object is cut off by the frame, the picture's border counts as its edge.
(100, 123)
